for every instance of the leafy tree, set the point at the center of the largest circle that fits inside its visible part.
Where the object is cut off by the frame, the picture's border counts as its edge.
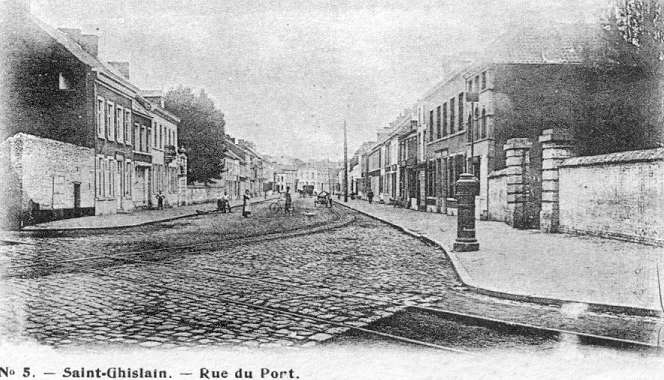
(635, 31)
(624, 108)
(201, 132)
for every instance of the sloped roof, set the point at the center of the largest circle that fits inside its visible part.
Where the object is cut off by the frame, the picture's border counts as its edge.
(77, 51)
(544, 44)
(231, 154)
(236, 150)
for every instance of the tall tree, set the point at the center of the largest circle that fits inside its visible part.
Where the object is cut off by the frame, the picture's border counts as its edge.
(201, 132)
(625, 109)
(635, 32)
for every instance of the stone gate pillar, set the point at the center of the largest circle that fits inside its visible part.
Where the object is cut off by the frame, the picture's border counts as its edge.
(517, 159)
(556, 147)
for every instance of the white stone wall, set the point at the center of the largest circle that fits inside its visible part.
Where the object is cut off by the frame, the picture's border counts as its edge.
(202, 194)
(48, 170)
(497, 196)
(615, 195)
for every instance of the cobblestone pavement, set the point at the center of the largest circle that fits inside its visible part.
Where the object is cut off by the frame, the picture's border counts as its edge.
(248, 294)
(530, 262)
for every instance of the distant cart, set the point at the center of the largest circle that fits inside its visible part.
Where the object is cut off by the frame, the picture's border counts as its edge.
(324, 199)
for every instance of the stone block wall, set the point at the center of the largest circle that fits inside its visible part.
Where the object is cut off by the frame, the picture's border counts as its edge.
(46, 172)
(618, 195)
(203, 194)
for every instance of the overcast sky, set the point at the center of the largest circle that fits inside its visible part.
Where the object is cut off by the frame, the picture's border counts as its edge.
(286, 73)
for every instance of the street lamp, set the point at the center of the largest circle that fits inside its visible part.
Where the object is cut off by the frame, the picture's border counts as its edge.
(467, 187)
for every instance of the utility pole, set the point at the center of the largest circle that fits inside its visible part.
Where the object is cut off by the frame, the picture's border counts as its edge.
(345, 164)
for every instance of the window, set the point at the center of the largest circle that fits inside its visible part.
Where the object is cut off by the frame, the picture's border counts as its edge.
(101, 131)
(137, 137)
(461, 111)
(483, 80)
(148, 138)
(477, 83)
(120, 123)
(477, 122)
(483, 122)
(111, 174)
(128, 179)
(100, 177)
(127, 127)
(431, 178)
(444, 119)
(153, 135)
(452, 116)
(161, 136)
(63, 82)
(438, 122)
(470, 85)
(109, 119)
(431, 125)
(141, 145)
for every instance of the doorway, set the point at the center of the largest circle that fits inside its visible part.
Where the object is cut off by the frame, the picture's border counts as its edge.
(77, 199)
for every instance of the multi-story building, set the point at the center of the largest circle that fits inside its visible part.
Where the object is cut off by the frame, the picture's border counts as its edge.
(375, 180)
(166, 177)
(230, 177)
(445, 143)
(62, 93)
(409, 185)
(143, 188)
(285, 177)
(531, 79)
(316, 176)
(254, 166)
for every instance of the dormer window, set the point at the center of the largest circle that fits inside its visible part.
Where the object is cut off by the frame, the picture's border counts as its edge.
(63, 82)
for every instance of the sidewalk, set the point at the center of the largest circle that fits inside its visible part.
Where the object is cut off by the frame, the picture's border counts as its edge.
(132, 219)
(537, 266)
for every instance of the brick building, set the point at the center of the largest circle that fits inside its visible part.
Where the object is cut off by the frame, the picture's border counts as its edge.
(56, 91)
(531, 79)
(164, 151)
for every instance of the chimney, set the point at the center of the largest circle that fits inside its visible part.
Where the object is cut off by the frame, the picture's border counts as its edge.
(122, 67)
(88, 42)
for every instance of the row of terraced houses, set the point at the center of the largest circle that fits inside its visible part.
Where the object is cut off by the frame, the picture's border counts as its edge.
(533, 117)
(79, 138)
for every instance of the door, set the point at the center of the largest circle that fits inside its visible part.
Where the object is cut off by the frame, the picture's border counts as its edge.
(77, 199)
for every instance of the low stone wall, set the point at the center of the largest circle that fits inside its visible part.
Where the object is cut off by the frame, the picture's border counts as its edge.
(42, 176)
(497, 198)
(618, 195)
(203, 194)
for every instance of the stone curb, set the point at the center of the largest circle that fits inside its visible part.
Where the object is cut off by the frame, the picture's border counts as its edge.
(465, 278)
(72, 229)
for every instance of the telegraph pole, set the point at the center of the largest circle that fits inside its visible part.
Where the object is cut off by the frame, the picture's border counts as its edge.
(345, 164)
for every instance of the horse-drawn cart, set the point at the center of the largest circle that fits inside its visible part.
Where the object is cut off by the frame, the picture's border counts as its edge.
(324, 199)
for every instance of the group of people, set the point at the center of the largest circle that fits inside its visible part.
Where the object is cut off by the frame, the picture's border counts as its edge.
(224, 204)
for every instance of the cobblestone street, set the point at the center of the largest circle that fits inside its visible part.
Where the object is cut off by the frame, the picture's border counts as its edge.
(296, 287)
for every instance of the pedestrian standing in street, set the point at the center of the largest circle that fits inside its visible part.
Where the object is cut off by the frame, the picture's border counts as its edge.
(246, 209)
(227, 202)
(370, 196)
(288, 207)
(223, 203)
(160, 200)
